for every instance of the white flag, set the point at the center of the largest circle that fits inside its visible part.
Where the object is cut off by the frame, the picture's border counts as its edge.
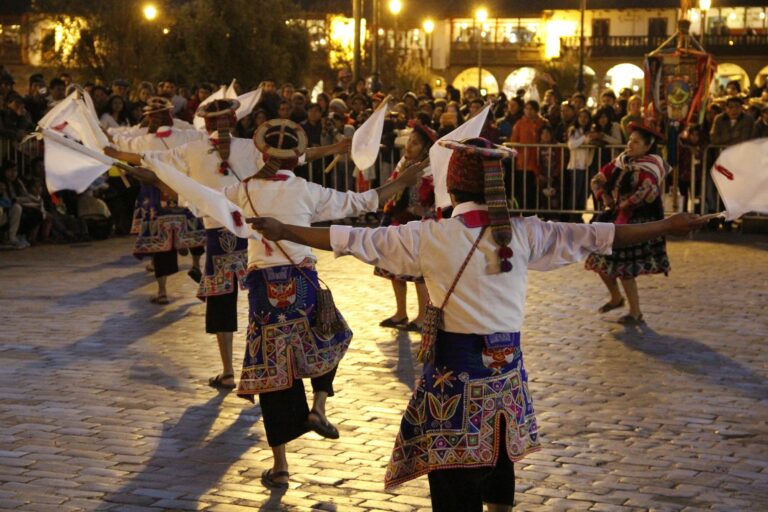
(248, 102)
(231, 92)
(75, 119)
(366, 141)
(204, 199)
(439, 156)
(69, 165)
(221, 94)
(741, 178)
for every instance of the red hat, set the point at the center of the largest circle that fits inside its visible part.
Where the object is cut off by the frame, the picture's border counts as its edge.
(426, 131)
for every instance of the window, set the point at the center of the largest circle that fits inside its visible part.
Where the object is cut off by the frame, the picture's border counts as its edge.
(657, 27)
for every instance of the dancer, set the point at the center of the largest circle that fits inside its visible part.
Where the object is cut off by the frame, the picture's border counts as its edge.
(217, 161)
(471, 415)
(163, 227)
(630, 189)
(284, 341)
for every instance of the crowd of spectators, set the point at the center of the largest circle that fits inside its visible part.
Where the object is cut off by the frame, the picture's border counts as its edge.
(571, 139)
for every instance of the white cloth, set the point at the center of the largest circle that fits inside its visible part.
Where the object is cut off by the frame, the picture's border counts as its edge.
(747, 191)
(200, 161)
(73, 117)
(107, 121)
(198, 121)
(298, 202)
(135, 130)
(485, 301)
(211, 202)
(580, 158)
(139, 143)
(69, 165)
(440, 156)
(366, 141)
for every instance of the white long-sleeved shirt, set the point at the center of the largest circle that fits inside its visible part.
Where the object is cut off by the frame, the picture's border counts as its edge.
(580, 158)
(294, 201)
(140, 143)
(200, 161)
(485, 301)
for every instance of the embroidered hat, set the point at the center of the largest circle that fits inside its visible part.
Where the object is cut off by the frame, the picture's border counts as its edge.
(281, 138)
(220, 117)
(429, 134)
(475, 167)
(157, 104)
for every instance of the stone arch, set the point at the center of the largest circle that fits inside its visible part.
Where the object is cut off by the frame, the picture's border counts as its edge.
(624, 75)
(726, 72)
(761, 78)
(468, 78)
(521, 78)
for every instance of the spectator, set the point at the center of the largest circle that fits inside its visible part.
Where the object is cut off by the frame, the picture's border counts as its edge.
(323, 101)
(475, 106)
(513, 115)
(284, 110)
(24, 215)
(6, 84)
(15, 122)
(286, 91)
(690, 163)
(100, 98)
(760, 128)
(116, 114)
(167, 89)
(567, 119)
(120, 88)
(634, 114)
(526, 131)
(411, 102)
(66, 78)
(490, 131)
(732, 126)
(313, 125)
(57, 91)
(453, 107)
(733, 88)
(580, 159)
(608, 101)
(605, 132)
(361, 88)
(35, 101)
(203, 91)
(448, 123)
(549, 169)
(344, 79)
(298, 112)
(579, 101)
(622, 105)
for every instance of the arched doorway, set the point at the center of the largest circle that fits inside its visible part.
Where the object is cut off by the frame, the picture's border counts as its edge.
(468, 78)
(762, 77)
(522, 78)
(625, 76)
(727, 72)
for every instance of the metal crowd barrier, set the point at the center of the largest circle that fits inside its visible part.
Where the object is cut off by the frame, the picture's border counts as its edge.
(21, 155)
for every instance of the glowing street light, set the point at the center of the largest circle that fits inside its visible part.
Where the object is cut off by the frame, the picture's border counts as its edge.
(481, 15)
(429, 26)
(395, 6)
(704, 5)
(150, 12)
(166, 31)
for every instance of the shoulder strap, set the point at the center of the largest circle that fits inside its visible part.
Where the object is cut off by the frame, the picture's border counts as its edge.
(463, 266)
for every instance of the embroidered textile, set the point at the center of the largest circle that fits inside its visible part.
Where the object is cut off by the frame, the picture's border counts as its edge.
(162, 226)
(453, 419)
(280, 343)
(225, 263)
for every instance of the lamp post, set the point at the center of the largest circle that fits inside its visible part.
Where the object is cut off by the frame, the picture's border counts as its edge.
(481, 15)
(581, 84)
(429, 27)
(395, 6)
(704, 6)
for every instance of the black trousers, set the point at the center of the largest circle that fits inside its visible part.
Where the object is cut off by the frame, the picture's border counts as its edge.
(165, 263)
(525, 189)
(285, 412)
(465, 490)
(221, 312)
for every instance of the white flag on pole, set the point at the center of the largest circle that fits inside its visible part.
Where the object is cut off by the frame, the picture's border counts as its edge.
(741, 178)
(366, 141)
(248, 102)
(74, 118)
(69, 165)
(204, 199)
(439, 156)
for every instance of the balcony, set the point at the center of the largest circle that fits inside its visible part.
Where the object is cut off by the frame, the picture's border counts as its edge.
(636, 46)
(497, 54)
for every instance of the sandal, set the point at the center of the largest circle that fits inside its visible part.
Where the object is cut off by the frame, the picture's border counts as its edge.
(610, 306)
(195, 274)
(413, 327)
(323, 428)
(630, 320)
(218, 381)
(268, 479)
(159, 299)
(391, 322)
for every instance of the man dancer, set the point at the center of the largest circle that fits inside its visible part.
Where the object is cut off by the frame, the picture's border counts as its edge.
(286, 339)
(471, 414)
(217, 161)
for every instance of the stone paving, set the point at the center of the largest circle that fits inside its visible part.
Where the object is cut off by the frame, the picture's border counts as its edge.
(104, 403)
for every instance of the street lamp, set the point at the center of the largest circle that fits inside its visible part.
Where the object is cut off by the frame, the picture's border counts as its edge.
(429, 27)
(150, 12)
(481, 15)
(395, 6)
(704, 6)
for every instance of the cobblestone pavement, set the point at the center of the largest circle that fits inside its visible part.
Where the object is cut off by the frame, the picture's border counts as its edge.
(104, 403)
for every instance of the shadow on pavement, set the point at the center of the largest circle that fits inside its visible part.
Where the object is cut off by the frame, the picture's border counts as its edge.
(403, 358)
(115, 288)
(186, 465)
(693, 357)
(126, 260)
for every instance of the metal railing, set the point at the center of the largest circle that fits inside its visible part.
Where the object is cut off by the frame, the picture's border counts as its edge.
(21, 154)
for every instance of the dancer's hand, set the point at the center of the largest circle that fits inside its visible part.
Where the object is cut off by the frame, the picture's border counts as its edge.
(271, 229)
(681, 224)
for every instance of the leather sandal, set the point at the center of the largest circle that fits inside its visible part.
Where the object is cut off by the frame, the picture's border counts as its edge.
(391, 322)
(268, 479)
(630, 320)
(610, 306)
(159, 299)
(323, 427)
(195, 274)
(218, 381)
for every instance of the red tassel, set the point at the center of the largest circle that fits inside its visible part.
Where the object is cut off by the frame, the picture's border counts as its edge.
(267, 247)
(725, 172)
(238, 218)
